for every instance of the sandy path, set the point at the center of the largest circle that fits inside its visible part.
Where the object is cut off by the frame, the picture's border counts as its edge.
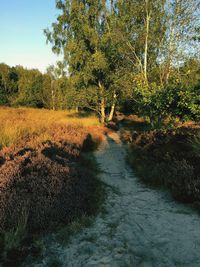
(141, 226)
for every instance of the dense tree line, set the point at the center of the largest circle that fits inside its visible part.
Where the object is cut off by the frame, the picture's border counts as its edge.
(141, 55)
(31, 88)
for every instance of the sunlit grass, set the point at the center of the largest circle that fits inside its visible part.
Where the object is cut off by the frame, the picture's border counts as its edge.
(18, 124)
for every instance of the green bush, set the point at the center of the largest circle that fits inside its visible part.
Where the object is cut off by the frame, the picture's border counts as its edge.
(159, 103)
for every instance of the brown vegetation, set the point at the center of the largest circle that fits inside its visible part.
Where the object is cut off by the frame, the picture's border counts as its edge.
(44, 179)
(168, 158)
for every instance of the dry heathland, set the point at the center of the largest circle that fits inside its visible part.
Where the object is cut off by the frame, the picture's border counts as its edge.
(43, 177)
(169, 158)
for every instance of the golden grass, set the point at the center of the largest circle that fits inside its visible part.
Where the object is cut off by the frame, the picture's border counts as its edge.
(18, 124)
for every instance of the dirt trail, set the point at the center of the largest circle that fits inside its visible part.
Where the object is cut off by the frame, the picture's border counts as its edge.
(138, 226)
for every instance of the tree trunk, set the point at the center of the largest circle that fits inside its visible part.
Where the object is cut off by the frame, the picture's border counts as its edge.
(171, 50)
(172, 40)
(103, 115)
(112, 107)
(53, 95)
(146, 42)
(112, 6)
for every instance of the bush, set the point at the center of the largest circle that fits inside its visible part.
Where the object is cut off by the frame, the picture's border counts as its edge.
(168, 158)
(44, 178)
(159, 103)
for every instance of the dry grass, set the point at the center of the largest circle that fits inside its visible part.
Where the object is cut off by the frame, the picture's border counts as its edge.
(17, 124)
(45, 178)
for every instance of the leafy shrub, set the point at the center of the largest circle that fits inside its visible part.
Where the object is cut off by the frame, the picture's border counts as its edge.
(159, 103)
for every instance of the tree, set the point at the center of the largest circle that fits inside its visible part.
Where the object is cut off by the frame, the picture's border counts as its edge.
(29, 88)
(179, 44)
(84, 35)
(141, 29)
(8, 83)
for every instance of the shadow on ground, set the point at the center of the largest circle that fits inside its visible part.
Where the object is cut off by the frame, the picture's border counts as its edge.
(81, 114)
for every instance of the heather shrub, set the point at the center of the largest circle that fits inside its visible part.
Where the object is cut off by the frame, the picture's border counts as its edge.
(45, 179)
(196, 145)
(51, 182)
(168, 159)
(41, 188)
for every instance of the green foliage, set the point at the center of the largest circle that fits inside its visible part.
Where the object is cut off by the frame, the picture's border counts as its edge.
(19, 86)
(3, 98)
(188, 103)
(85, 32)
(8, 83)
(29, 88)
(170, 102)
(196, 145)
(149, 102)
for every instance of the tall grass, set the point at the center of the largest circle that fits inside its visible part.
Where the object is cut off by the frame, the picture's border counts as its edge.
(26, 123)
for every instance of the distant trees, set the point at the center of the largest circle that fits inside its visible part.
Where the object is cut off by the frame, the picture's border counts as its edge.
(24, 87)
(29, 88)
(8, 83)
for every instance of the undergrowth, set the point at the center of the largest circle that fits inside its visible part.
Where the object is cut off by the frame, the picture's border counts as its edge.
(47, 179)
(168, 158)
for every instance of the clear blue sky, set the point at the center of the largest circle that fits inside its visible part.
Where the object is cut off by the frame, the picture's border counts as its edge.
(22, 41)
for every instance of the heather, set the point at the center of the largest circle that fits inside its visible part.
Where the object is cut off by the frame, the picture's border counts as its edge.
(167, 158)
(45, 179)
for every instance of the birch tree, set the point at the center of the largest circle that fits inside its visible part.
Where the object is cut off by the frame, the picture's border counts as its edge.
(182, 20)
(82, 35)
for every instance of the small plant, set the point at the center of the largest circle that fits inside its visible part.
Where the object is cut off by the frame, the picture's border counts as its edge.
(66, 232)
(196, 145)
(11, 241)
(54, 262)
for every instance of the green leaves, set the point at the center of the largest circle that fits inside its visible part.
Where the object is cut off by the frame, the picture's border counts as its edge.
(159, 103)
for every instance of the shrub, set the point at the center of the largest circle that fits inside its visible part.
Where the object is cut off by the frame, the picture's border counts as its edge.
(167, 158)
(159, 103)
(44, 180)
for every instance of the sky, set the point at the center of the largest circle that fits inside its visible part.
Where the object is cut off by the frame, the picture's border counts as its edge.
(22, 41)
